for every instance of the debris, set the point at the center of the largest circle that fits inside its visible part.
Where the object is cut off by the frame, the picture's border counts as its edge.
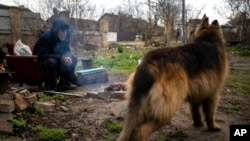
(64, 108)
(106, 95)
(116, 87)
(63, 93)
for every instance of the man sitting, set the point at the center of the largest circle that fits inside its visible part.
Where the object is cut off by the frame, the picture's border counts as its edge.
(54, 53)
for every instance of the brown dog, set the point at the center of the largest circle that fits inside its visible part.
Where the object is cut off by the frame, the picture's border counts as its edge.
(167, 77)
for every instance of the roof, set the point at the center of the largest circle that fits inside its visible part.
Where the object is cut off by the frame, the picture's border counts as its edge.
(8, 3)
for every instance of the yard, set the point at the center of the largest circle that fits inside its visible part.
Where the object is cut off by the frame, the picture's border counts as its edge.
(100, 119)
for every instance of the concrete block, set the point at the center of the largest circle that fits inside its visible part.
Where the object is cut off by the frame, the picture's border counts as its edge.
(91, 95)
(6, 125)
(104, 95)
(118, 95)
(47, 106)
(7, 106)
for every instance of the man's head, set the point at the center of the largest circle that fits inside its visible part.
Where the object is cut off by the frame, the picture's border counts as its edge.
(60, 27)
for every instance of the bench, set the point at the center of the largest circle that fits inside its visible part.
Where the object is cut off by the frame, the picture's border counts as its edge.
(25, 69)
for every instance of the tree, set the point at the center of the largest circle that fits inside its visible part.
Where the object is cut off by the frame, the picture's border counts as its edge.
(239, 16)
(166, 12)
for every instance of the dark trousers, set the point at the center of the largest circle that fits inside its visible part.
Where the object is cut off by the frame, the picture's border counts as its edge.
(51, 68)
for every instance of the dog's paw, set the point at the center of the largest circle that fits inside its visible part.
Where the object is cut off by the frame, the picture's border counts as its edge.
(214, 129)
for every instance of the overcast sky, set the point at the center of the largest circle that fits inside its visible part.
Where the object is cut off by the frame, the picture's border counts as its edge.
(111, 4)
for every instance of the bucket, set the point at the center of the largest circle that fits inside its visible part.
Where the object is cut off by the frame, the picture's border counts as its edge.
(86, 64)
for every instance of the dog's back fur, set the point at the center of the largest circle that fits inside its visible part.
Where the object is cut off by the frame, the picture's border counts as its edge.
(167, 77)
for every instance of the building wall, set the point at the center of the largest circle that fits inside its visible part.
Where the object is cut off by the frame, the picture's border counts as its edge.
(13, 28)
(96, 39)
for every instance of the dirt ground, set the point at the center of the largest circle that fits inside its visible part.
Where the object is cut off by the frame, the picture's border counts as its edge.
(92, 115)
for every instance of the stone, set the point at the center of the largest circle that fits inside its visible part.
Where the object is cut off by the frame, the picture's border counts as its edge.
(6, 96)
(118, 95)
(20, 103)
(64, 109)
(46, 106)
(104, 95)
(30, 99)
(6, 125)
(91, 95)
(7, 106)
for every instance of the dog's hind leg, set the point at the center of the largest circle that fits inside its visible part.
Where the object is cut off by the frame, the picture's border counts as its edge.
(144, 131)
(195, 109)
(209, 108)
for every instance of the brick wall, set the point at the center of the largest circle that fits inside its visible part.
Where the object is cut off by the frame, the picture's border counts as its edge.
(12, 27)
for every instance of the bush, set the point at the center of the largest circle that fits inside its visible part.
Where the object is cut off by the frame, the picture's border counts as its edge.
(120, 48)
(241, 50)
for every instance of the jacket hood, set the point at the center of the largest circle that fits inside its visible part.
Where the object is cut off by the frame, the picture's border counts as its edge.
(60, 23)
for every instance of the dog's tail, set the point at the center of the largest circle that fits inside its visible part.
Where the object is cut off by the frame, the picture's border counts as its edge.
(136, 95)
(153, 98)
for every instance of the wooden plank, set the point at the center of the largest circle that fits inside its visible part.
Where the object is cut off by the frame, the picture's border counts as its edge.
(63, 93)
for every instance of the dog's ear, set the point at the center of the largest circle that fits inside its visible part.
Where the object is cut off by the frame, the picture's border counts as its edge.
(204, 16)
(215, 23)
(204, 22)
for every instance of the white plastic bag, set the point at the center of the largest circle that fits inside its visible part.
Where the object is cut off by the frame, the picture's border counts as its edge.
(22, 49)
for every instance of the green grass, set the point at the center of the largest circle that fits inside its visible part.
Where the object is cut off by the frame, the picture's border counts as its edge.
(56, 97)
(60, 97)
(85, 130)
(114, 127)
(123, 61)
(239, 79)
(241, 50)
(50, 134)
(44, 97)
(177, 135)
(8, 137)
(235, 105)
(18, 122)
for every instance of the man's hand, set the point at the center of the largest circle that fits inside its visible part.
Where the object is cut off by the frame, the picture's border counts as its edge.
(67, 61)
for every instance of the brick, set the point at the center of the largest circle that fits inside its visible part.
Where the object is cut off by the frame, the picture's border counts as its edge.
(6, 116)
(46, 106)
(6, 125)
(7, 106)
(91, 95)
(20, 103)
(104, 95)
(30, 99)
(6, 96)
(118, 95)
